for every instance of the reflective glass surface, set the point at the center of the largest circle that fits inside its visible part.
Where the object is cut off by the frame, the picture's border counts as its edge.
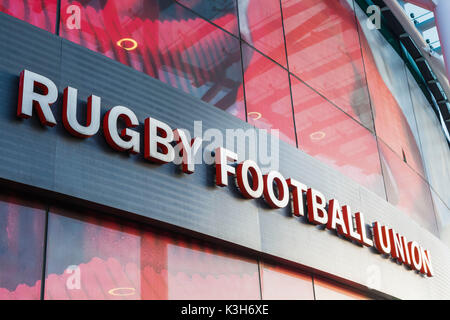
(390, 95)
(199, 272)
(279, 283)
(41, 13)
(221, 12)
(22, 225)
(328, 290)
(268, 95)
(328, 134)
(261, 27)
(435, 150)
(93, 257)
(166, 41)
(442, 217)
(406, 189)
(324, 51)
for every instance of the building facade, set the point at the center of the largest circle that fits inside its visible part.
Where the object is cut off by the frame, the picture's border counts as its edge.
(82, 217)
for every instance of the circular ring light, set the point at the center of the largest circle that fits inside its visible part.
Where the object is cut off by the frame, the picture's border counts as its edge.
(122, 292)
(318, 135)
(131, 41)
(255, 115)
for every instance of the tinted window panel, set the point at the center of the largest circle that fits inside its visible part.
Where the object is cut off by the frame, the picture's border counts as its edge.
(406, 189)
(268, 95)
(261, 27)
(166, 41)
(390, 95)
(41, 13)
(324, 51)
(442, 217)
(328, 134)
(92, 257)
(197, 272)
(221, 12)
(435, 150)
(279, 283)
(327, 290)
(22, 226)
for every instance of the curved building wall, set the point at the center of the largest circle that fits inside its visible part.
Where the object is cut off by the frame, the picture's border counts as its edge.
(352, 122)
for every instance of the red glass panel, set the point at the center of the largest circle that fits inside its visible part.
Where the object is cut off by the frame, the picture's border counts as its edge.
(92, 257)
(221, 12)
(324, 51)
(279, 283)
(22, 226)
(198, 272)
(41, 13)
(166, 41)
(261, 27)
(328, 134)
(268, 95)
(390, 120)
(406, 189)
(327, 290)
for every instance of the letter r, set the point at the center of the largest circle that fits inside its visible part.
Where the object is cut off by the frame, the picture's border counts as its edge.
(29, 99)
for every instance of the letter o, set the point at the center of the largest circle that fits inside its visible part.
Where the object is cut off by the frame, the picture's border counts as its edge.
(416, 256)
(256, 190)
(283, 190)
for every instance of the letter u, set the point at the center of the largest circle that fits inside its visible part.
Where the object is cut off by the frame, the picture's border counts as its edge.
(70, 114)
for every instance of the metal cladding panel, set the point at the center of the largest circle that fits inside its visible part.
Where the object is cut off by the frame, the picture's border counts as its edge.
(51, 159)
(25, 47)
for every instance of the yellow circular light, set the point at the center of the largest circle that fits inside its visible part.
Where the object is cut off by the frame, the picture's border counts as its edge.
(122, 292)
(133, 42)
(255, 115)
(319, 135)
